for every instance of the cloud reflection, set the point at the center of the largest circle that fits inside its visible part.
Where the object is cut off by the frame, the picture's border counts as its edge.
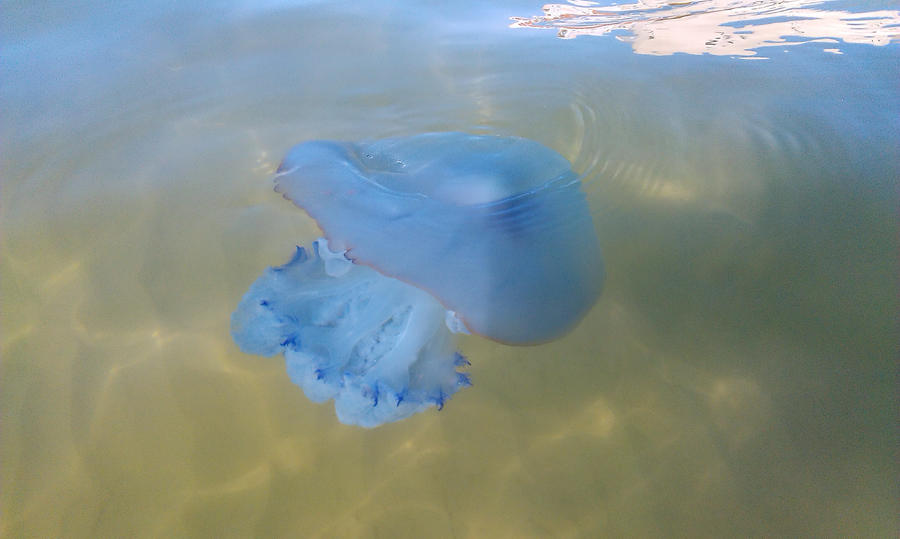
(720, 27)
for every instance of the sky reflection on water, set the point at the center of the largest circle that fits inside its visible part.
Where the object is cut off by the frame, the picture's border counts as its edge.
(719, 27)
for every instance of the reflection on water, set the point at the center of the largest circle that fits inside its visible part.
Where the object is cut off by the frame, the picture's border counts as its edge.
(720, 27)
(736, 377)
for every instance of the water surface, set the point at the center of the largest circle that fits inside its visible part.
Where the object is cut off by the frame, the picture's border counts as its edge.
(736, 378)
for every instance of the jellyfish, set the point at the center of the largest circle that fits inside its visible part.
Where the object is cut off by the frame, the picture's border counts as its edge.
(424, 237)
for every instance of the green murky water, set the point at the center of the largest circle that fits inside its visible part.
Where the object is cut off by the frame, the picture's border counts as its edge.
(736, 378)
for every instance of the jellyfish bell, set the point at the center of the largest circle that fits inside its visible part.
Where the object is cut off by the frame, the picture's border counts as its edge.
(425, 234)
(496, 228)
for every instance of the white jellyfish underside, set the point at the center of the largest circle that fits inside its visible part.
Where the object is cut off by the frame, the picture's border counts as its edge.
(428, 234)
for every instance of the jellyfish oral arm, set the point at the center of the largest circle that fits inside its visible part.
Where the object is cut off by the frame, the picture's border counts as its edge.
(377, 346)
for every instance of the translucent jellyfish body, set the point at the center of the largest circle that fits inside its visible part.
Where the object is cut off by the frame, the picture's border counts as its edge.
(425, 234)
